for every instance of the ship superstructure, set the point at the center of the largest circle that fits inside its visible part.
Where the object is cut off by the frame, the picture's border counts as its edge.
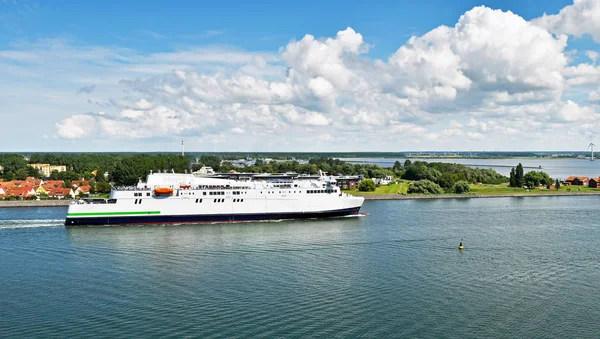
(188, 198)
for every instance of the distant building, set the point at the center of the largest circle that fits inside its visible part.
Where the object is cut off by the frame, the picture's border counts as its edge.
(383, 181)
(594, 182)
(348, 181)
(577, 181)
(61, 193)
(46, 169)
(206, 170)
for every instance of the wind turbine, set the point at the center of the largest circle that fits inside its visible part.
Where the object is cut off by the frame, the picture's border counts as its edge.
(591, 146)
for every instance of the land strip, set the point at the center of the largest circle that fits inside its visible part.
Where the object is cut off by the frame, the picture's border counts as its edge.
(34, 203)
(468, 196)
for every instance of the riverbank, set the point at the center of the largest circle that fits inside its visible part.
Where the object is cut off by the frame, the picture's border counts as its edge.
(468, 196)
(34, 203)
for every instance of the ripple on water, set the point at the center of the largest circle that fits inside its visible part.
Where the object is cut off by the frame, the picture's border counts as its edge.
(529, 269)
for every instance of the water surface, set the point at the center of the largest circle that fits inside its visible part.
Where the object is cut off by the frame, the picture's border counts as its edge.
(530, 268)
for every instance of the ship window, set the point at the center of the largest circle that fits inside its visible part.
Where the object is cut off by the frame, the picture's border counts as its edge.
(147, 194)
(196, 201)
(203, 193)
(242, 200)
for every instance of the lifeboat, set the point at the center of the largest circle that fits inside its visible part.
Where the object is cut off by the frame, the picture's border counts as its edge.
(163, 190)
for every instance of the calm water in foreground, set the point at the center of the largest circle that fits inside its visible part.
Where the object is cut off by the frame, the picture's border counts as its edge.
(531, 268)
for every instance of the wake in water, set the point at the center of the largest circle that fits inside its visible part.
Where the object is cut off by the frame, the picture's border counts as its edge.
(32, 223)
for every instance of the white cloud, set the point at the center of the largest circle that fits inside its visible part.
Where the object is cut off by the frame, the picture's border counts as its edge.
(594, 95)
(475, 135)
(489, 75)
(76, 127)
(581, 18)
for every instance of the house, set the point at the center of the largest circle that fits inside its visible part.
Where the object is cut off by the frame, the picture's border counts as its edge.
(594, 182)
(83, 190)
(31, 181)
(61, 193)
(19, 192)
(383, 181)
(40, 190)
(52, 184)
(77, 183)
(577, 181)
(2, 192)
(46, 169)
(348, 181)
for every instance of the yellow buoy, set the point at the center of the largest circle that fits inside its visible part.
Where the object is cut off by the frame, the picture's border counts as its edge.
(460, 246)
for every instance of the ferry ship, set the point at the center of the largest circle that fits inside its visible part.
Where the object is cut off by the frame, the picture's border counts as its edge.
(188, 198)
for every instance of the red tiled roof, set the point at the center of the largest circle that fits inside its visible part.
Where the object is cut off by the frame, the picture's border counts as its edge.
(77, 183)
(85, 189)
(573, 177)
(60, 192)
(19, 192)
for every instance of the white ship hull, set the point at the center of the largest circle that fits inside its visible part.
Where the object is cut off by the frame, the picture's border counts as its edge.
(215, 200)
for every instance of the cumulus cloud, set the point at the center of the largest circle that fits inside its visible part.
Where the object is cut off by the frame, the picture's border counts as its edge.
(76, 127)
(492, 73)
(581, 18)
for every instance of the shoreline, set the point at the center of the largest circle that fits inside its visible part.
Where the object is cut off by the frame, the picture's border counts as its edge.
(34, 203)
(471, 196)
(65, 203)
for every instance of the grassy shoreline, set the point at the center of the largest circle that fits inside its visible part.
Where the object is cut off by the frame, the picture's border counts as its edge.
(472, 196)
(399, 192)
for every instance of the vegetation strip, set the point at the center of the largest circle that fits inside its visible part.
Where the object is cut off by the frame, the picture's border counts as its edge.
(110, 213)
(469, 196)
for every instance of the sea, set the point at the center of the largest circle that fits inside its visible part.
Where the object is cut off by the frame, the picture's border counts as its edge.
(529, 269)
(556, 168)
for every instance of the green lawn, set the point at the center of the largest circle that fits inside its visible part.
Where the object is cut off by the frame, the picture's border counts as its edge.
(384, 189)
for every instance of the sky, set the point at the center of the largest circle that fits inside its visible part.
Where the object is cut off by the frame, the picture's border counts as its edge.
(328, 76)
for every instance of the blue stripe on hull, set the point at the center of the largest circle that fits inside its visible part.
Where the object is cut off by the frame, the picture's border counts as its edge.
(175, 219)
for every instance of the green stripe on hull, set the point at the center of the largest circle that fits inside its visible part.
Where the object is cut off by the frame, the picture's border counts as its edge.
(110, 213)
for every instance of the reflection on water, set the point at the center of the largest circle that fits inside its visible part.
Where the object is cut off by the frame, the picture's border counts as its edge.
(529, 269)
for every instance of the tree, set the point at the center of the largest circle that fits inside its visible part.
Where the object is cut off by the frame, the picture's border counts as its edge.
(557, 184)
(397, 166)
(425, 187)
(519, 178)
(54, 175)
(407, 162)
(461, 187)
(512, 182)
(93, 187)
(103, 187)
(366, 185)
(535, 179)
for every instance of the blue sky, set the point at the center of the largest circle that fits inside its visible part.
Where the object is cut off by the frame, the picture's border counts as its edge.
(311, 75)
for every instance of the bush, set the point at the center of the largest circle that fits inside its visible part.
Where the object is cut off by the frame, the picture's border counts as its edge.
(425, 187)
(366, 185)
(461, 187)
